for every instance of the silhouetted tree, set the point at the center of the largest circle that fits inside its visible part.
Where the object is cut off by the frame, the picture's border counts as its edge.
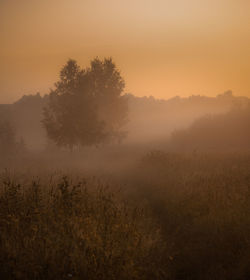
(87, 106)
(8, 142)
(7, 137)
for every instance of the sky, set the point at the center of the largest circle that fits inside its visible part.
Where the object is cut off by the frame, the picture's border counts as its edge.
(163, 48)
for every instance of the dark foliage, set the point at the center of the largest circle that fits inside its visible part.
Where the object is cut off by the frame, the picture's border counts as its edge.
(9, 145)
(216, 133)
(87, 106)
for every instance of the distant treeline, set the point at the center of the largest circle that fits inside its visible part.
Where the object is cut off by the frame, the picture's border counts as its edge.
(216, 133)
(150, 120)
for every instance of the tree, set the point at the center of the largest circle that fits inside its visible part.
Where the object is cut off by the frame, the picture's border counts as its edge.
(87, 106)
(7, 138)
(8, 144)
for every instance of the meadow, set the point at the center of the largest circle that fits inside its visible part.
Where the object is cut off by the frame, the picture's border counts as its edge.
(170, 216)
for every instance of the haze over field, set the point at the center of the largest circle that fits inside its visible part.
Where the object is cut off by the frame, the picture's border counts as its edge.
(125, 139)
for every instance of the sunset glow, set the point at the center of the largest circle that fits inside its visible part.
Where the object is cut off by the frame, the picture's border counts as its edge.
(163, 48)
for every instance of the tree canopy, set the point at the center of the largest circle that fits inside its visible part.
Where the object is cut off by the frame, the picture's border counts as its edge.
(87, 106)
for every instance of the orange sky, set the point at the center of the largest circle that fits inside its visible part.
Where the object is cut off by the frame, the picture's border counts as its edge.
(163, 47)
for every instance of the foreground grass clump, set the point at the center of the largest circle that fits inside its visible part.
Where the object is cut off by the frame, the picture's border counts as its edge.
(64, 230)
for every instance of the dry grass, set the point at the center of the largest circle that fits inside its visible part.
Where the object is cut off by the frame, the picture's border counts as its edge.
(179, 217)
(73, 230)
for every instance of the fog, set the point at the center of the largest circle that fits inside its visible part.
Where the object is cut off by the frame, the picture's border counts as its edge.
(197, 124)
(124, 140)
(166, 195)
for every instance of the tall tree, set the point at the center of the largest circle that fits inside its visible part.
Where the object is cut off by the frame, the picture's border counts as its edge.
(87, 106)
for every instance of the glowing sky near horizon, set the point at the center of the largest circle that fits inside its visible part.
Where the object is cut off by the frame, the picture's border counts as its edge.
(163, 48)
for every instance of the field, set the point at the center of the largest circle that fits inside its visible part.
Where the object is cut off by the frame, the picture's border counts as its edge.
(169, 217)
(125, 140)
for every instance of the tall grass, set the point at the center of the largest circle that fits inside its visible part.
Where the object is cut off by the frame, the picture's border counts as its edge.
(73, 230)
(202, 204)
(177, 217)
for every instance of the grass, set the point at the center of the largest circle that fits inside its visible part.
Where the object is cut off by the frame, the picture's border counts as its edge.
(73, 230)
(177, 217)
